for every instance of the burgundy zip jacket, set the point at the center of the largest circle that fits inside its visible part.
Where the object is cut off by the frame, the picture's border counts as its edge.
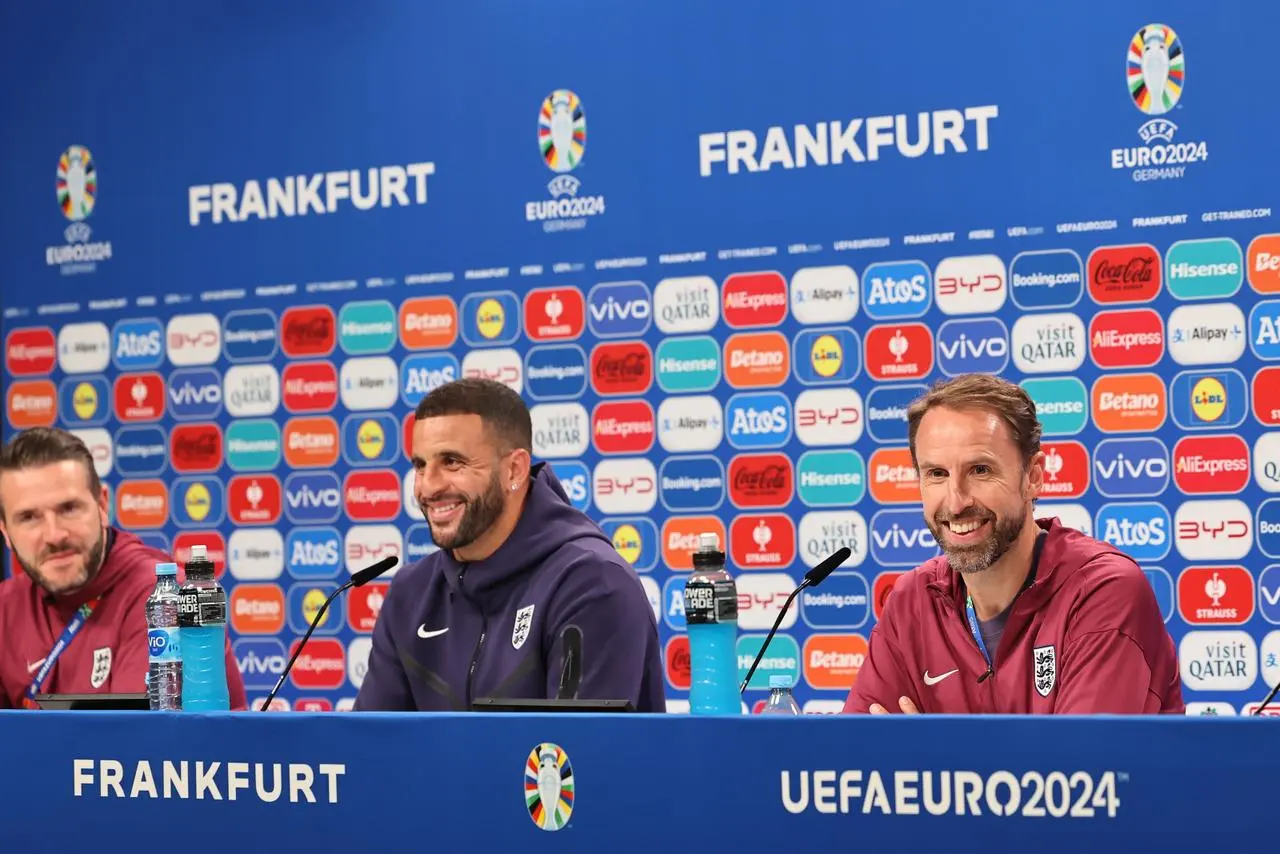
(1085, 637)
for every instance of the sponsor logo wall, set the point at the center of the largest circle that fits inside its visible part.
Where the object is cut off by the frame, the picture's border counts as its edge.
(757, 389)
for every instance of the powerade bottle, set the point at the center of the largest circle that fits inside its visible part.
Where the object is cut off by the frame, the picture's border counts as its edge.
(202, 620)
(711, 613)
(164, 655)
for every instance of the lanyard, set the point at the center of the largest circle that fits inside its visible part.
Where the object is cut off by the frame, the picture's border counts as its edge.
(78, 619)
(977, 632)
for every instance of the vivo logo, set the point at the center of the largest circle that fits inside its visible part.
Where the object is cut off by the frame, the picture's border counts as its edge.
(1129, 468)
(973, 346)
(621, 309)
(312, 497)
(900, 538)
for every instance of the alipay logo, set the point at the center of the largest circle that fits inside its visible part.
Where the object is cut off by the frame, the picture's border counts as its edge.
(1204, 269)
(137, 345)
(835, 478)
(421, 373)
(1131, 467)
(555, 372)
(251, 335)
(367, 328)
(313, 553)
(688, 364)
(1140, 529)
(1062, 404)
(253, 445)
(195, 394)
(758, 420)
(691, 484)
(312, 498)
(973, 346)
(619, 310)
(576, 480)
(896, 290)
(843, 603)
(901, 538)
(887, 411)
(1052, 278)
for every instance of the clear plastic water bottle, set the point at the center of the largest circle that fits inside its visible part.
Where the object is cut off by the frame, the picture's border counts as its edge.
(711, 613)
(781, 701)
(164, 656)
(202, 618)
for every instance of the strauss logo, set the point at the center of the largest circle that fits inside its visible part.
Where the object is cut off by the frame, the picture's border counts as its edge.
(898, 345)
(1215, 588)
(762, 535)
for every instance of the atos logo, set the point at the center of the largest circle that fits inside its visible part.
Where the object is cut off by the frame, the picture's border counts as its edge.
(195, 394)
(250, 335)
(901, 538)
(673, 603)
(887, 412)
(312, 498)
(1141, 529)
(140, 451)
(254, 499)
(575, 479)
(1264, 330)
(619, 310)
(1208, 400)
(896, 290)
(691, 484)
(137, 345)
(635, 539)
(84, 401)
(370, 440)
(758, 420)
(490, 317)
(844, 602)
(424, 372)
(261, 662)
(555, 372)
(827, 356)
(197, 502)
(1131, 468)
(973, 346)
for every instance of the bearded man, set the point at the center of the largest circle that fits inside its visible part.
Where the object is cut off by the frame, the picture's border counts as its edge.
(519, 571)
(1018, 615)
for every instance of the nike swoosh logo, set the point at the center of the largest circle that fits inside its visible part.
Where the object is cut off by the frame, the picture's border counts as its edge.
(34, 666)
(934, 680)
(423, 633)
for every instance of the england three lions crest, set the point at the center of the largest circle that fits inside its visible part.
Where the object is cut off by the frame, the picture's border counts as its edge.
(101, 667)
(1044, 669)
(520, 631)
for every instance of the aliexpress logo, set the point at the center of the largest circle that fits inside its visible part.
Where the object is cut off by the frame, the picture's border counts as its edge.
(680, 539)
(256, 609)
(754, 299)
(142, 504)
(894, 479)
(311, 442)
(30, 351)
(309, 387)
(1129, 403)
(322, 665)
(373, 496)
(756, 360)
(32, 404)
(833, 661)
(428, 323)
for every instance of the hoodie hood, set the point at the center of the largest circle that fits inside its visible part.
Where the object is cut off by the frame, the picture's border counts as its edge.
(547, 522)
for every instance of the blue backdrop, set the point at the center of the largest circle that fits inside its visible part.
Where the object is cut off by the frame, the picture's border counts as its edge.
(718, 248)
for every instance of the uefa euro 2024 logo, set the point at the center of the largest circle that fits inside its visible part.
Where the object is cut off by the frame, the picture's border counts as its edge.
(77, 190)
(1156, 73)
(562, 143)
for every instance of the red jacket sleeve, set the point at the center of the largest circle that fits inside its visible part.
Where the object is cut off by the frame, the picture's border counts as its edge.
(235, 682)
(883, 678)
(1118, 657)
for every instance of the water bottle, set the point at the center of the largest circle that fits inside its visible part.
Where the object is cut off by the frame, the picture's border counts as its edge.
(711, 613)
(164, 656)
(202, 618)
(780, 701)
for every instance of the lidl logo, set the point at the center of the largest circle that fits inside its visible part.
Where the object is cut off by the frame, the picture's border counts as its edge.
(635, 539)
(554, 314)
(887, 411)
(691, 484)
(1212, 268)
(973, 345)
(680, 539)
(250, 335)
(367, 327)
(1141, 529)
(758, 420)
(489, 318)
(827, 355)
(423, 372)
(305, 601)
(428, 323)
(1264, 263)
(141, 451)
(754, 300)
(555, 372)
(686, 365)
(197, 502)
(899, 351)
(137, 345)
(831, 478)
(1203, 400)
(370, 440)
(781, 659)
(575, 479)
(253, 445)
(84, 401)
(900, 537)
(1129, 403)
(844, 602)
(896, 290)
(1062, 404)
(1050, 278)
(1264, 330)
(1131, 467)
(619, 310)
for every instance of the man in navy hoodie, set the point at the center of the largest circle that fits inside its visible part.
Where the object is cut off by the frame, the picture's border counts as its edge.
(485, 616)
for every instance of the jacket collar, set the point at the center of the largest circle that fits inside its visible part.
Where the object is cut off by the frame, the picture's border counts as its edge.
(1045, 575)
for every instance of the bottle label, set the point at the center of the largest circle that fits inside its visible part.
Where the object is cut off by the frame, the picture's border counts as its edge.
(710, 602)
(202, 606)
(162, 646)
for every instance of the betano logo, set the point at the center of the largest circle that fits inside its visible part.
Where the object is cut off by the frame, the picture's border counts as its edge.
(756, 360)
(680, 539)
(142, 504)
(428, 323)
(1129, 403)
(893, 477)
(1264, 263)
(32, 404)
(311, 442)
(256, 609)
(832, 662)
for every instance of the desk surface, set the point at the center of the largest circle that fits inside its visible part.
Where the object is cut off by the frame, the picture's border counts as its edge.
(350, 782)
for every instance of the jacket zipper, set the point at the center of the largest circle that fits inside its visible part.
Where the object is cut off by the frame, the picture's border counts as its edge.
(475, 656)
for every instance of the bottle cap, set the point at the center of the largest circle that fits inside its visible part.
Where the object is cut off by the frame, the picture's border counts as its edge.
(779, 680)
(199, 552)
(708, 542)
(163, 569)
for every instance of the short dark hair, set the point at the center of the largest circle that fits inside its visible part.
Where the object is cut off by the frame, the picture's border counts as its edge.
(502, 410)
(44, 446)
(991, 394)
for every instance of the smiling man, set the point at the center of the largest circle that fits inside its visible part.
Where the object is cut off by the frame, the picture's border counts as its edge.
(520, 576)
(73, 622)
(1018, 615)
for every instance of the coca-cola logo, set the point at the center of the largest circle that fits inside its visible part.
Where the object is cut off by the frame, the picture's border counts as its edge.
(761, 480)
(196, 447)
(679, 673)
(625, 368)
(1124, 273)
(308, 331)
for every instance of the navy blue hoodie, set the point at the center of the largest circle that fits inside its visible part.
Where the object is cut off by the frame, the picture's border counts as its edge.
(449, 633)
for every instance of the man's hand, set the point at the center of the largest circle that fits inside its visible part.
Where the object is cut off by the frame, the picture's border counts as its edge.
(904, 703)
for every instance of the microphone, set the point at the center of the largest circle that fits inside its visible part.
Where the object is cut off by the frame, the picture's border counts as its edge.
(812, 578)
(1268, 699)
(358, 579)
(571, 670)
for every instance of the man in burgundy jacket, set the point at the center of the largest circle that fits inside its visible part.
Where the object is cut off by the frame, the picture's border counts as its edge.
(1018, 615)
(53, 514)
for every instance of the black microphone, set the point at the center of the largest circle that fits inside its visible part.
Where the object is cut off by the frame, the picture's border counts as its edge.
(812, 578)
(359, 579)
(571, 670)
(1269, 698)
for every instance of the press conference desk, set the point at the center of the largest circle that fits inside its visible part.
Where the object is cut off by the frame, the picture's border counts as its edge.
(360, 783)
